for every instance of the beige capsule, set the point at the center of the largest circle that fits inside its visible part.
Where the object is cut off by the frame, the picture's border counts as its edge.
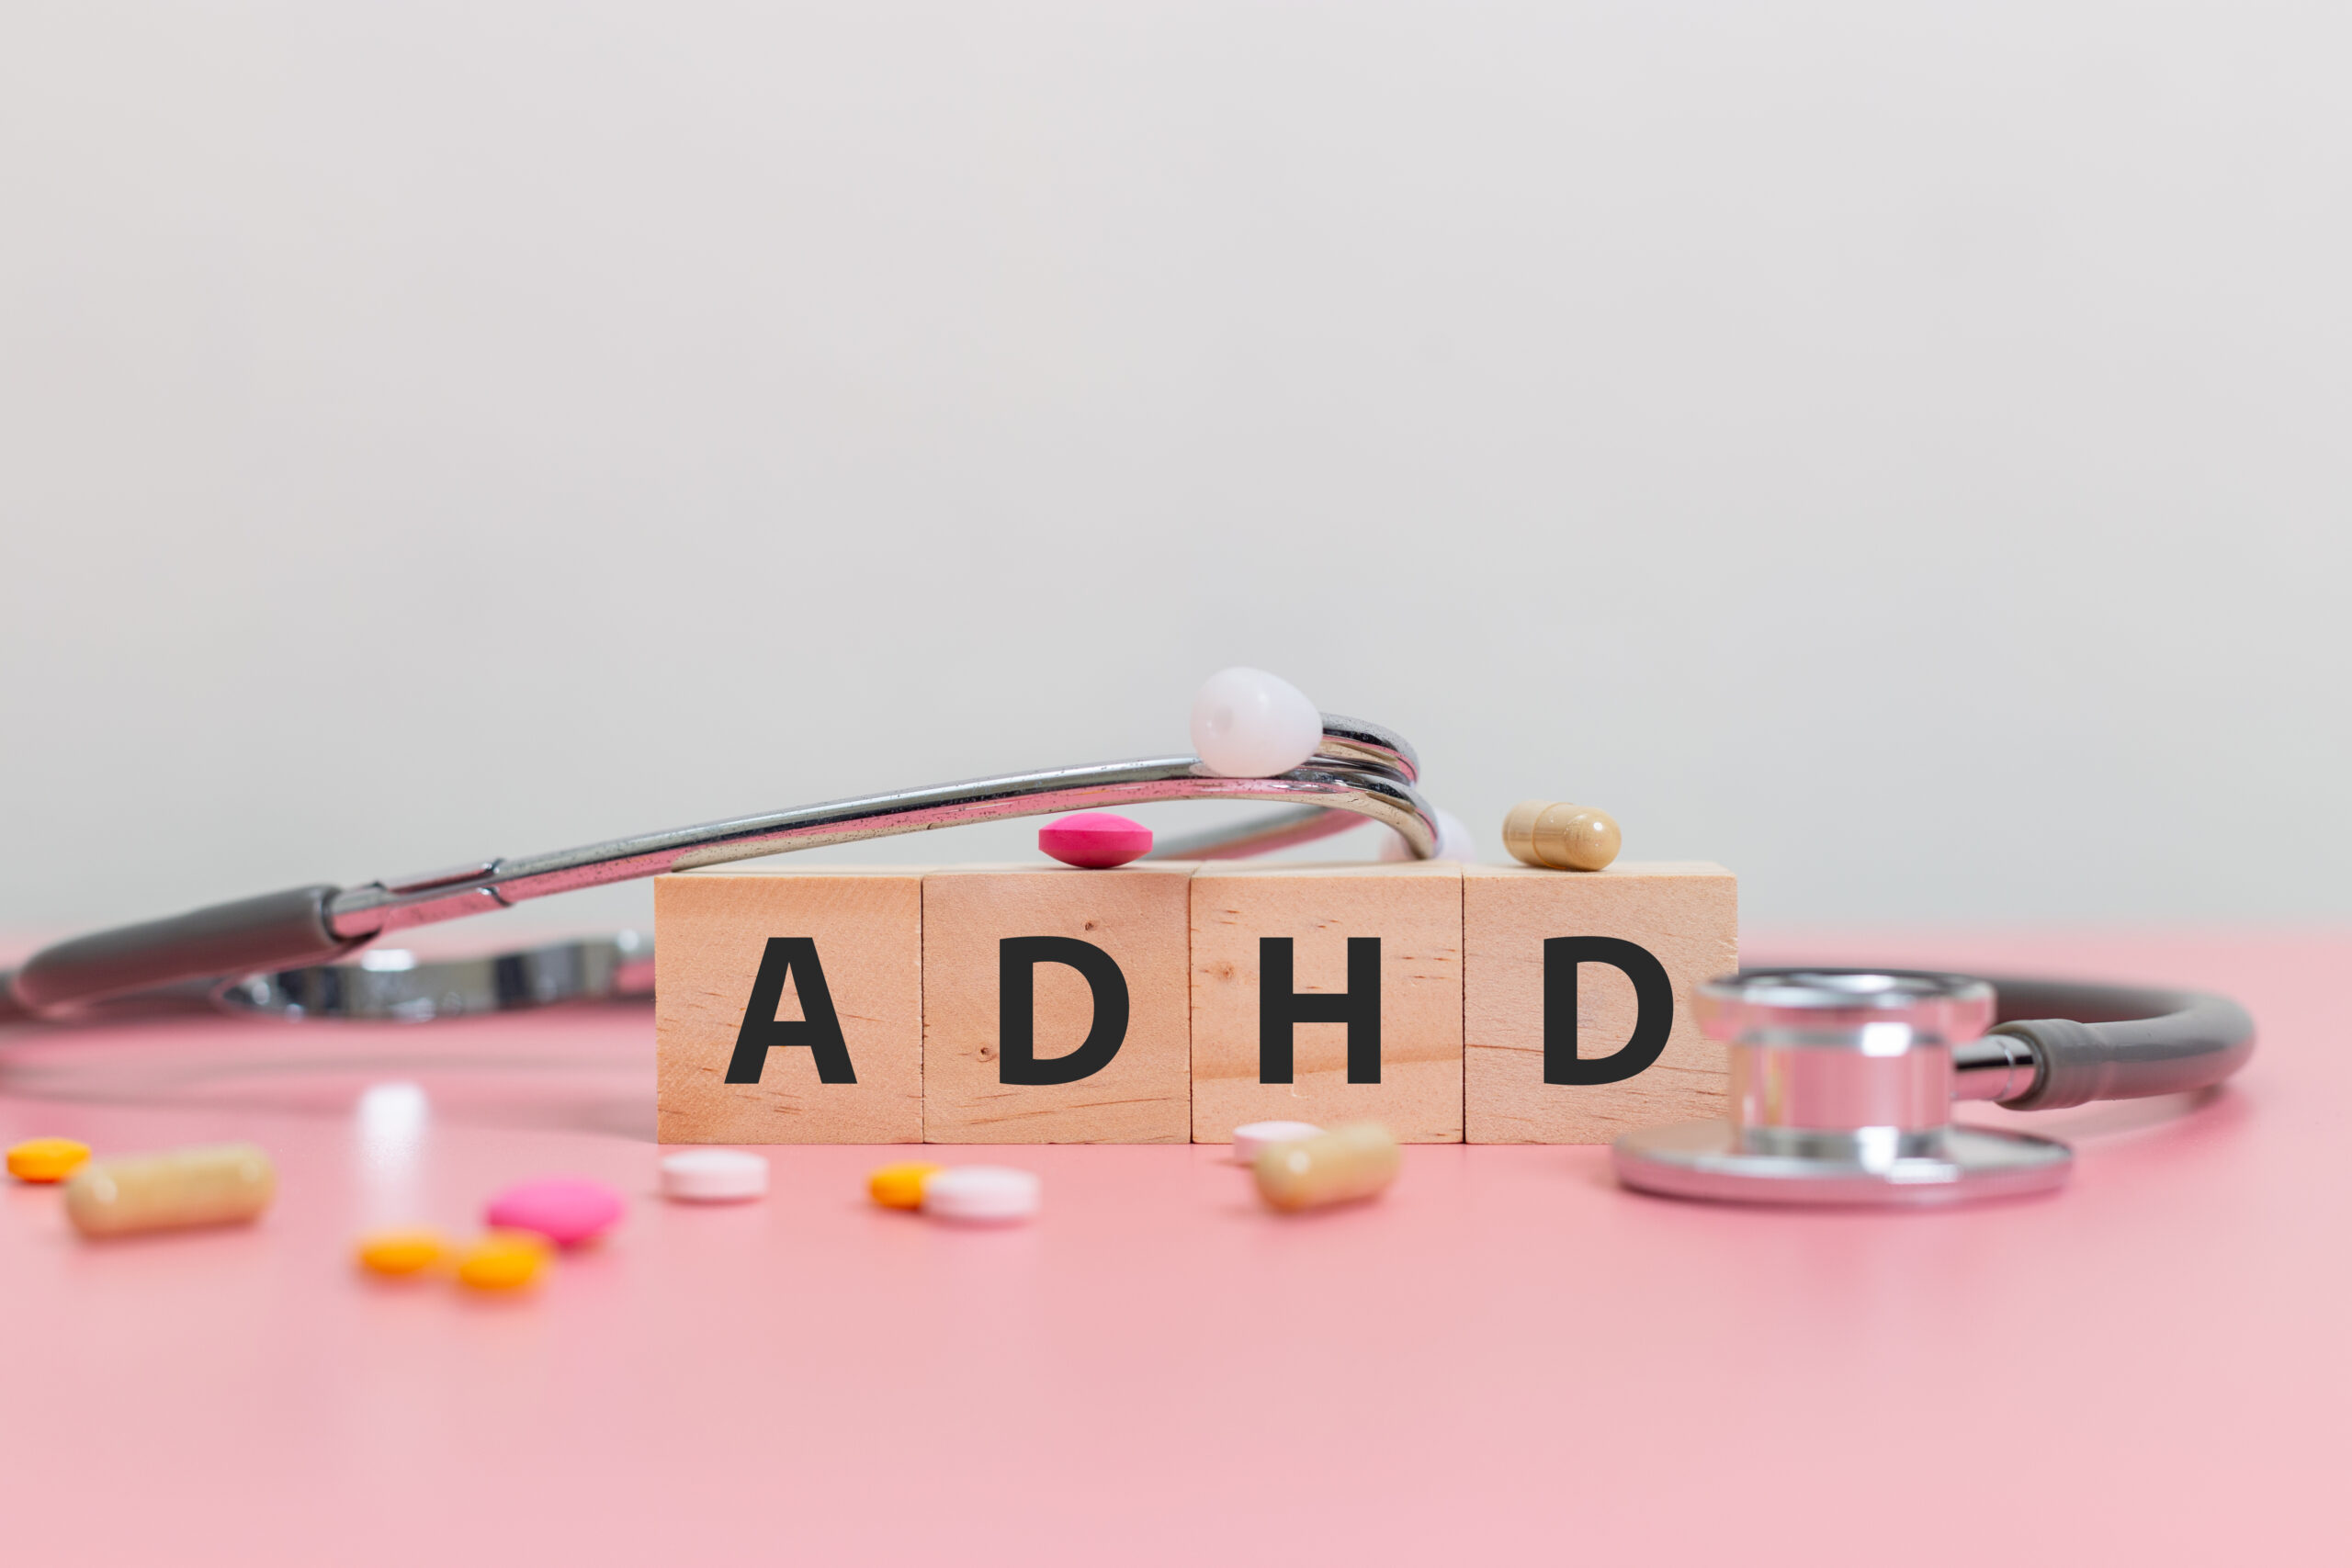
(214, 1184)
(1561, 836)
(1355, 1161)
(1519, 830)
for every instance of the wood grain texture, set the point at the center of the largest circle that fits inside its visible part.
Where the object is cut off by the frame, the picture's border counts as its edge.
(1414, 908)
(1139, 915)
(712, 927)
(1686, 913)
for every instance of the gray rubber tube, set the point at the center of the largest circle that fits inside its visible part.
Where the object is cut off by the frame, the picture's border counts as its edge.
(276, 931)
(2120, 1042)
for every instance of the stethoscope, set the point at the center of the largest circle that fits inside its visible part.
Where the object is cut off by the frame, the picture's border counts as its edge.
(1842, 1081)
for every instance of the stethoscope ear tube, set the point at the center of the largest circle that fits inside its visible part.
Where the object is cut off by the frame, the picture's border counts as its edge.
(275, 930)
(2119, 1041)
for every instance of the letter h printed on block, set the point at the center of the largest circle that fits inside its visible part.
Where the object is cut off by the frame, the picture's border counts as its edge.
(1327, 994)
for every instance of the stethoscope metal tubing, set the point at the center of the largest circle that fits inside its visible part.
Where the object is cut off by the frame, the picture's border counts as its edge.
(1359, 770)
(381, 906)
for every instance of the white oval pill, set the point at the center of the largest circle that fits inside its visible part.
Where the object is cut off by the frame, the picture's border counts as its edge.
(713, 1176)
(981, 1192)
(1249, 1140)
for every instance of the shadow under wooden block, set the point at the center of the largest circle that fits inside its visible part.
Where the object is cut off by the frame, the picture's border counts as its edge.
(1683, 915)
(789, 978)
(1381, 942)
(1081, 951)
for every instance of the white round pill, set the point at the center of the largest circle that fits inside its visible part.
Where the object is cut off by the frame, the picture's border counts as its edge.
(981, 1192)
(1249, 1140)
(713, 1176)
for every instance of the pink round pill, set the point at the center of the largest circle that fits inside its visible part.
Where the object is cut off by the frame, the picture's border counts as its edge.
(567, 1210)
(1096, 839)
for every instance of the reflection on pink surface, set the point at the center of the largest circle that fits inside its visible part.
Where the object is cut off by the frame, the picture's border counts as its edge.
(1506, 1357)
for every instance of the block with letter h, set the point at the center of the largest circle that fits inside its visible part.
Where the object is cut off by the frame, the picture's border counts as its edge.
(1327, 994)
(1161, 1001)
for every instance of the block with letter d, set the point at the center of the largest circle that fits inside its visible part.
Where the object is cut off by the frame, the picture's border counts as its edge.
(1055, 1005)
(1577, 1016)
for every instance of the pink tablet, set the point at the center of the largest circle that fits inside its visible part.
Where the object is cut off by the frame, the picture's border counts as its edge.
(567, 1210)
(1096, 839)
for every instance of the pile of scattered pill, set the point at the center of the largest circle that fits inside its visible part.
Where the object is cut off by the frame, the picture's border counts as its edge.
(1296, 1165)
(976, 1194)
(498, 1260)
(525, 1224)
(530, 1223)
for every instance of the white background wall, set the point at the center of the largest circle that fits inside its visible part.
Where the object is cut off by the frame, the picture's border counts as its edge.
(1899, 451)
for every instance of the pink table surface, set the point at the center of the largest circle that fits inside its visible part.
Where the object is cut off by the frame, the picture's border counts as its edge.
(1507, 1356)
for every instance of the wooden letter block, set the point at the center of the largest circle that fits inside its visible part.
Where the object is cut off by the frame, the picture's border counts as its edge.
(1056, 1007)
(1600, 966)
(1327, 994)
(788, 1006)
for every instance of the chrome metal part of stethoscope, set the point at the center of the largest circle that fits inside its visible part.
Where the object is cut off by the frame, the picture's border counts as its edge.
(393, 983)
(1842, 1082)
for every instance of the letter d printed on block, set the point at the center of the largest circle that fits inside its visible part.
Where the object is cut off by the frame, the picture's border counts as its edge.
(1055, 1005)
(1577, 1013)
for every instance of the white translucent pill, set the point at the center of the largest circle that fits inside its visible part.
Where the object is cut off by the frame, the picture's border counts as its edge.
(713, 1176)
(991, 1192)
(1249, 725)
(1249, 1140)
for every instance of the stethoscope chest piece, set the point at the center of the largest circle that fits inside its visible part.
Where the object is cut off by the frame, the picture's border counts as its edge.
(1843, 1083)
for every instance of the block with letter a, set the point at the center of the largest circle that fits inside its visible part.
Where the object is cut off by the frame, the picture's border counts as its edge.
(1327, 994)
(1577, 1003)
(788, 1006)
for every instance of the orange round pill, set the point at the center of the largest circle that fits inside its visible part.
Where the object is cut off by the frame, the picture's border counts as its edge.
(401, 1252)
(46, 1159)
(504, 1260)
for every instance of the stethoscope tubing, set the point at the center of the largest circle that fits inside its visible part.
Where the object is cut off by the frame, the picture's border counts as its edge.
(1360, 770)
(2101, 1042)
